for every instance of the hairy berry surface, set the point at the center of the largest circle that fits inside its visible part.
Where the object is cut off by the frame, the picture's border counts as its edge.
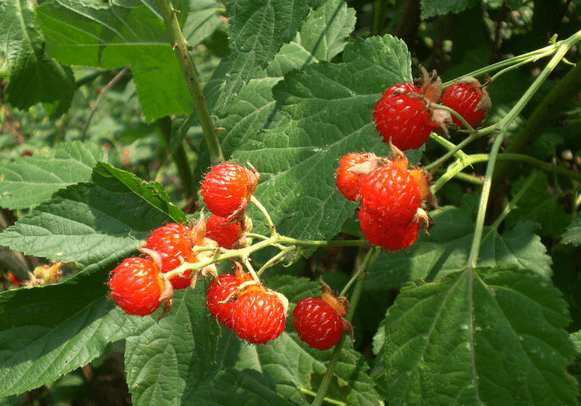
(403, 118)
(218, 291)
(226, 189)
(317, 323)
(391, 194)
(388, 235)
(170, 242)
(226, 233)
(348, 181)
(468, 99)
(258, 316)
(137, 286)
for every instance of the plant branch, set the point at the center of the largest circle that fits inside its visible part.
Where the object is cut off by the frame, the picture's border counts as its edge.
(503, 125)
(180, 157)
(101, 95)
(189, 72)
(567, 88)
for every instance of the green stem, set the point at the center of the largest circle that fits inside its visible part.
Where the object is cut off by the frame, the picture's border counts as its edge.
(276, 240)
(179, 156)
(180, 46)
(565, 90)
(353, 301)
(527, 58)
(455, 150)
(503, 125)
(453, 112)
(457, 167)
(327, 400)
(483, 205)
(513, 204)
(264, 212)
(370, 258)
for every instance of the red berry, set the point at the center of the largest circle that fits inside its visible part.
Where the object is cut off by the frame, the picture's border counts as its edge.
(170, 242)
(390, 193)
(259, 315)
(391, 236)
(404, 117)
(137, 286)
(469, 99)
(227, 188)
(218, 291)
(225, 232)
(352, 168)
(317, 323)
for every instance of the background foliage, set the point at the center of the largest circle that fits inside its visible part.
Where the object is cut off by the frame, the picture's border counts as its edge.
(101, 144)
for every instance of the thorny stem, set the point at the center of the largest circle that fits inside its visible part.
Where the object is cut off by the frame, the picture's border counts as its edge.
(370, 257)
(188, 68)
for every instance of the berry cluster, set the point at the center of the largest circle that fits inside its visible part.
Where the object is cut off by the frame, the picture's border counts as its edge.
(405, 114)
(239, 300)
(392, 195)
(139, 285)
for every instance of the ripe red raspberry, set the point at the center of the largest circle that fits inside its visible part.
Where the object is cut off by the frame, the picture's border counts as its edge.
(390, 192)
(218, 291)
(391, 236)
(225, 232)
(317, 323)
(469, 99)
(170, 242)
(258, 315)
(404, 117)
(352, 168)
(227, 188)
(138, 287)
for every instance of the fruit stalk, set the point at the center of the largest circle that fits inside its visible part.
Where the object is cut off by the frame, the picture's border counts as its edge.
(180, 46)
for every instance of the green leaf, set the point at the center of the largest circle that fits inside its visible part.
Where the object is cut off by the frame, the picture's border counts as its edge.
(48, 331)
(31, 180)
(573, 233)
(484, 336)
(322, 37)
(432, 8)
(34, 75)
(279, 372)
(447, 247)
(254, 107)
(540, 205)
(202, 21)
(295, 365)
(326, 110)
(90, 223)
(171, 355)
(116, 35)
(258, 29)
